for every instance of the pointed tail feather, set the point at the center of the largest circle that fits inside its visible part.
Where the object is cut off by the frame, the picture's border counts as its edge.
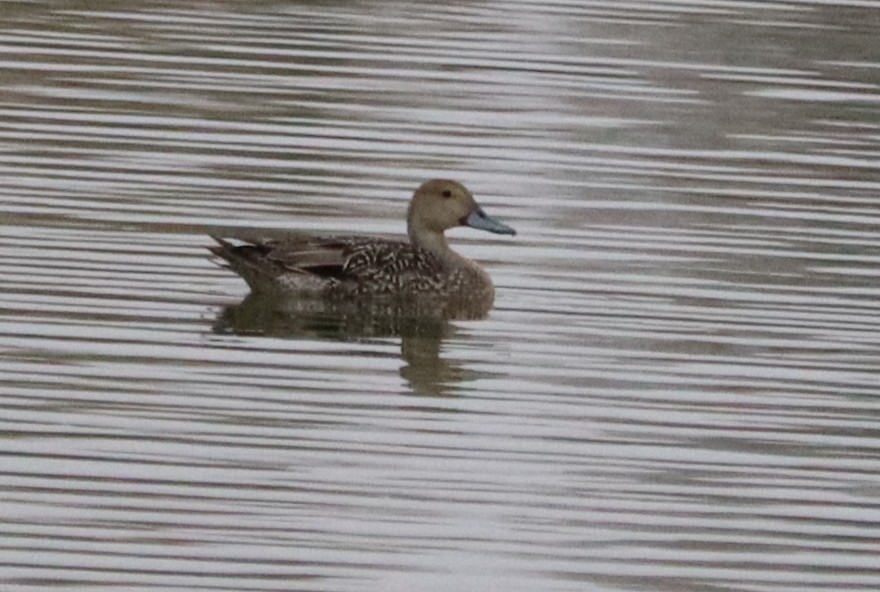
(245, 260)
(224, 249)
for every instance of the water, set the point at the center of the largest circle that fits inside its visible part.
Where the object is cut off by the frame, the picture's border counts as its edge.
(677, 388)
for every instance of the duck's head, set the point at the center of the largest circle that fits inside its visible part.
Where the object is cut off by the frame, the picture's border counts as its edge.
(441, 204)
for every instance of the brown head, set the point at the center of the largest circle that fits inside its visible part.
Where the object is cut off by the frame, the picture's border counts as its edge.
(441, 204)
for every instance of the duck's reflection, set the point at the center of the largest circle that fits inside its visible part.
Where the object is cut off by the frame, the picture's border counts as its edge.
(422, 325)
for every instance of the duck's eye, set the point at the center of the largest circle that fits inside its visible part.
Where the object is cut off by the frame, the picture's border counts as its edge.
(446, 193)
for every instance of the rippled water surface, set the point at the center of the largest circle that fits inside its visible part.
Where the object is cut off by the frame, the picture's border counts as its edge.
(678, 388)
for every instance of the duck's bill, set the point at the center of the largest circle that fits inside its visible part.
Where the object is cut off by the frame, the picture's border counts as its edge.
(480, 220)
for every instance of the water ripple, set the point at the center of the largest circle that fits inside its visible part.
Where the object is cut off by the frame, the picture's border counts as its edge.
(676, 389)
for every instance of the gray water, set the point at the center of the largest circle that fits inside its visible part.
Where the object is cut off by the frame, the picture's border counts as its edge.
(677, 390)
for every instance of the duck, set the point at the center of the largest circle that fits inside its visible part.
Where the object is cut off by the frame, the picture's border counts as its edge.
(364, 268)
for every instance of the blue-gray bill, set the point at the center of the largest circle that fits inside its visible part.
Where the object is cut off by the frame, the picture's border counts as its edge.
(479, 219)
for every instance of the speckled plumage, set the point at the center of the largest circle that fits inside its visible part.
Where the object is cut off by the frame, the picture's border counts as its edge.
(348, 266)
(360, 267)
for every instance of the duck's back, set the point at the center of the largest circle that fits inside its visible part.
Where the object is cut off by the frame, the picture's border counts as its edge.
(387, 266)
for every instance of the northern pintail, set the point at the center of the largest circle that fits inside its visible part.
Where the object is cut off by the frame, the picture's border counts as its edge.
(363, 267)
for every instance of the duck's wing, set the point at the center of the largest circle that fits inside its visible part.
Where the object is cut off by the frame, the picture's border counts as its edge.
(264, 260)
(331, 259)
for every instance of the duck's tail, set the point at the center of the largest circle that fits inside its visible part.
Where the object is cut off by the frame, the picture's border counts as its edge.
(247, 260)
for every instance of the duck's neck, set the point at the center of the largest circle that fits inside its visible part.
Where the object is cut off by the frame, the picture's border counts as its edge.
(435, 243)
